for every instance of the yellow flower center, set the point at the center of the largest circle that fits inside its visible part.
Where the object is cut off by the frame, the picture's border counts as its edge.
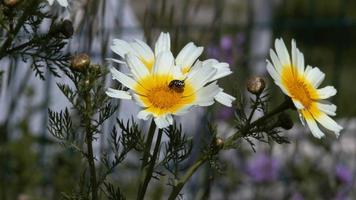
(155, 93)
(164, 97)
(299, 87)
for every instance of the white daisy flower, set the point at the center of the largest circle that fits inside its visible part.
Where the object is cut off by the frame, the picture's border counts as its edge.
(158, 83)
(184, 60)
(63, 3)
(301, 84)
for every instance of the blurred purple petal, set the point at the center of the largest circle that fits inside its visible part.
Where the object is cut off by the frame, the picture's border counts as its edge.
(225, 113)
(263, 168)
(343, 174)
(226, 43)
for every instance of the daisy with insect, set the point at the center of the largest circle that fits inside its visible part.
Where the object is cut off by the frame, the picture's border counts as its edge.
(301, 84)
(164, 85)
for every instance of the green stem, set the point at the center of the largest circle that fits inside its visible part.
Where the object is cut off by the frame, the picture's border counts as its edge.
(89, 142)
(148, 144)
(179, 185)
(12, 34)
(254, 108)
(227, 145)
(242, 132)
(90, 157)
(149, 169)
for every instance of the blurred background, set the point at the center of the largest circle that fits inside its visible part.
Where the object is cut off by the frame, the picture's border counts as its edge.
(239, 32)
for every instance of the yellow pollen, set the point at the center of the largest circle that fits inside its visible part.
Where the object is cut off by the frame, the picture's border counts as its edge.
(163, 97)
(159, 99)
(298, 87)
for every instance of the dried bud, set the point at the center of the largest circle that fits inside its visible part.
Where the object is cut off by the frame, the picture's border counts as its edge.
(80, 62)
(218, 143)
(256, 85)
(67, 28)
(11, 2)
(284, 121)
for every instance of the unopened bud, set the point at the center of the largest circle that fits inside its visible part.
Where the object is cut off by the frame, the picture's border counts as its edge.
(11, 2)
(67, 28)
(218, 143)
(80, 62)
(256, 85)
(284, 121)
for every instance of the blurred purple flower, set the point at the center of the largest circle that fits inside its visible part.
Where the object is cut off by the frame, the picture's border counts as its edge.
(343, 174)
(213, 52)
(340, 196)
(226, 46)
(226, 43)
(263, 168)
(297, 196)
(225, 113)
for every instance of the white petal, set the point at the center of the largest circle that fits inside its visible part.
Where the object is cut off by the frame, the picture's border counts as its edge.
(163, 43)
(327, 108)
(276, 62)
(315, 76)
(272, 71)
(169, 119)
(326, 92)
(50, 2)
(294, 54)
(297, 104)
(143, 114)
(138, 69)
(143, 50)
(282, 52)
(177, 73)
(164, 63)
(116, 60)
(121, 47)
(223, 69)
(183, 110)
(205, 96)
(122, 78)
(188, 55)
(314, 128)
(307, 69)
(120, 94)
(280, 85)
(162, 121)
(300, 59)
(329, 123)
(63, 3)
(201, 76)
(138, 100)
(225, 99)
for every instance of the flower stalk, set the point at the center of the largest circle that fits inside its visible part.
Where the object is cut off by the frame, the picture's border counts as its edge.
(148, 169)
(228, 144)
(89, 143)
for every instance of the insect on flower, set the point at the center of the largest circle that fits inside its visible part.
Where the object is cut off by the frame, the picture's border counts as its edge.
(177, 85)
(164, 85)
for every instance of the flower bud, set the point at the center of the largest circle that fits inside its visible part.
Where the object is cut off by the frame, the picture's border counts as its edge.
(11, 3)
(80, 62)
(284, 121)
(218, 143)
(256, 85)
(67, 28)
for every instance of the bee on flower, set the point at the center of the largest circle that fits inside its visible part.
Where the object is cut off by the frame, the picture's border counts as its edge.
(163, 85)
(301, 84)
